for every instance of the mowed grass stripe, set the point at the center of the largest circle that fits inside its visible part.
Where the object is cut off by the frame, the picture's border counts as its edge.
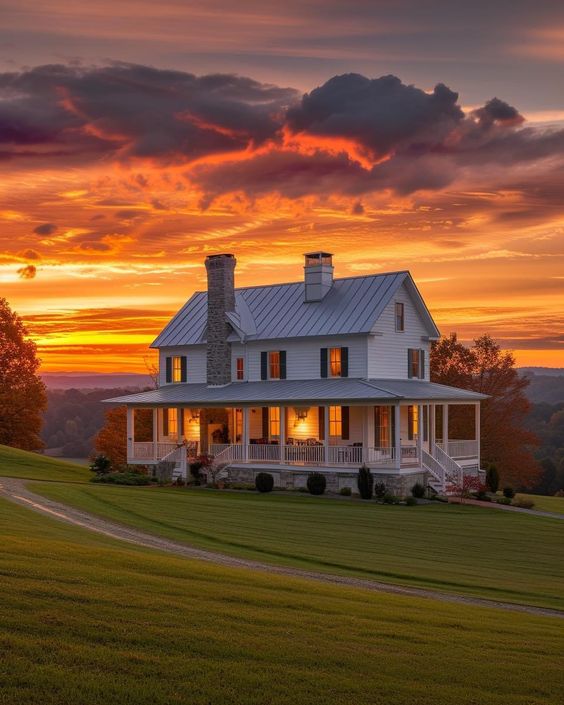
(88, 620)
(33, 466)
(482, 552)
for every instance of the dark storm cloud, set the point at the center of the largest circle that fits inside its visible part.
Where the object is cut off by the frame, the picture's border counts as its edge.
(136, 111)
(382, 114)
(45, 229)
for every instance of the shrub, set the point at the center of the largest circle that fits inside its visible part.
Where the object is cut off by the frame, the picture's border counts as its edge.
(122, 478)
(316, 483)
(345, 491)
(240, 486)
(101, 464)
(418, 490)
(379, 490)
(365, 482)
(264, 482)
(523, 503)
(508, 492)
(410, 501)
(503, 500)
(195, 468)
(481, 494)
(390, 498)
(492, 478)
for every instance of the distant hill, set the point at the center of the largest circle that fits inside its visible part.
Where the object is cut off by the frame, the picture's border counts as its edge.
(546, 384)
(91, 380)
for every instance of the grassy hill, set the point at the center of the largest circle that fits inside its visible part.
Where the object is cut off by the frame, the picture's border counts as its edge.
(470, 550)
(33, 466)
(88, 620)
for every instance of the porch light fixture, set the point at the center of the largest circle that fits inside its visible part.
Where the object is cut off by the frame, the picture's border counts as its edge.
(195, 415)
(301, 413)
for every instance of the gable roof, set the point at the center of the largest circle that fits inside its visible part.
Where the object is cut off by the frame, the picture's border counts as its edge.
(352, 306)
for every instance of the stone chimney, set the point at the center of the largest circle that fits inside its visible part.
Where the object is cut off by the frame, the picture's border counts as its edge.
(318, 274)
(221, 298)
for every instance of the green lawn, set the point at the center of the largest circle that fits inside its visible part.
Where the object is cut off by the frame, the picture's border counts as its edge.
(485, 552)
(545, 504)
(33, 466)
(87, 621)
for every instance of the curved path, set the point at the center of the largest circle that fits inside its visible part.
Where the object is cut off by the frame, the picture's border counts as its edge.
(16, 491)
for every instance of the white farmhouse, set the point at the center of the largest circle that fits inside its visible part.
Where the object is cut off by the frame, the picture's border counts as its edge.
(323, 374)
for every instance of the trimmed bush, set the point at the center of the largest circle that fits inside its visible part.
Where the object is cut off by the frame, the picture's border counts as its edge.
(492, 478)
(390, 498)
(122, 478)
(264, 482)
(345, 491)
(503, 500)
(101, 464)
(316, 483)
(379, 490)
(365, 482)
(411, 501)
(418, 490)
(508, 492)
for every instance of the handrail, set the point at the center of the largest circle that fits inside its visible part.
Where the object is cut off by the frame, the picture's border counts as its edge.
(433, 466)
(453, 471)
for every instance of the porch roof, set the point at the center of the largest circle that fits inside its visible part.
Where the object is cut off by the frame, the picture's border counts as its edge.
(336, 391)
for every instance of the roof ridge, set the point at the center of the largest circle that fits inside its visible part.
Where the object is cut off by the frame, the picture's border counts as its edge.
(337, 279)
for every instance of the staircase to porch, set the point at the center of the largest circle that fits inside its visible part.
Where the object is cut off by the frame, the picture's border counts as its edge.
(445, 474)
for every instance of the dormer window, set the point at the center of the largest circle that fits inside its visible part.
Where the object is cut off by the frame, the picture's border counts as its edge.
(240, 369)
(400, 316)
(273, 364)
(176, 369)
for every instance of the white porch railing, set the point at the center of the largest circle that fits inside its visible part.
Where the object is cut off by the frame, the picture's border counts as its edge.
(453, 471)
(302, 454)
(434, 467)
(460, 449)
(146, 451)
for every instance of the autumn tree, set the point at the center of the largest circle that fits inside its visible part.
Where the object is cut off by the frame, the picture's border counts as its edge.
(22, 393)
(111, 440)
(486, 368)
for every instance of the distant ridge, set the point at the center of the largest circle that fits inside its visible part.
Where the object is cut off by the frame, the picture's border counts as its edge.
(92, 380)
(544, 371)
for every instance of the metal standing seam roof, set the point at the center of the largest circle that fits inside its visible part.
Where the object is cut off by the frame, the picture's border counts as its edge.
(298, 391)
(352, 306)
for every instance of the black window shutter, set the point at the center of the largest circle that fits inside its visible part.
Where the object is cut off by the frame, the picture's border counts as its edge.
(180, 413)
(425, 423)
(165, 420)
(410, 423)
(345, 423)
(344, 362)
(168, 370)
(264, 365)
(282, 364)
(422, 364)
(183, 368)
(392, 413)
(321, 422)
(324, 362)
(265, 421)
(409, 369)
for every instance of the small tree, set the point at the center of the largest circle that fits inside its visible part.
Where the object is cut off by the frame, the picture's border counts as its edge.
(365, 482)
(492, 478)
(316, 483)
(508, 492)
(101, 464)
(380, 490)
(418, 490)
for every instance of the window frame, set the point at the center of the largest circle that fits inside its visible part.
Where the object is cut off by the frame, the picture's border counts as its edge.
(399, 317)
(273, 422)
(176, 369)
(274, 365)
(172, 421)
(415, 359)
(337, 362)
(240, 369)
(335, 422)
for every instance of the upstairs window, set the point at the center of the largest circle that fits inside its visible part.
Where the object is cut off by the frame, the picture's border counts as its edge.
(415, 363)
(400, 316)
(273, 364)
(334, 362)
(240, 364)
(176, 369)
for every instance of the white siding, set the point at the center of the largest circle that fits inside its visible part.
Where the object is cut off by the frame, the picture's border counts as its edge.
(302, 356)
(387, 350)
(195, 362)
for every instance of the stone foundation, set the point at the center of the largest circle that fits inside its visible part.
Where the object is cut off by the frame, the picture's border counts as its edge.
(399, 485)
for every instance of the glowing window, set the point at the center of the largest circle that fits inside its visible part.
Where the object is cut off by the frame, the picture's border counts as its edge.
(335, 421)
(274, 421)
(274, 365)
(177, 369)
(172, 422)
(335, 368)
(240, 369)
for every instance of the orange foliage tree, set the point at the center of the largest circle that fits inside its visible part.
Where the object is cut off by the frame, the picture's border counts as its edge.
(111, 440)
(22, 392)
(488, 369)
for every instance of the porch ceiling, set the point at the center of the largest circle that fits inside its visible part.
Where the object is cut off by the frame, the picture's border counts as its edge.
(334, 391)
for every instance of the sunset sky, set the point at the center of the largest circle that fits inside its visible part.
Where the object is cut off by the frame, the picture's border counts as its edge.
(138, 137)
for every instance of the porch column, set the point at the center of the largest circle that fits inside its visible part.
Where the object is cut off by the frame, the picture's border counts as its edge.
(397, 435)
(432, 422)
(130, 431)
(477, 433)
(155, 432)
(419, 431)
(445, 428)
(368, 440)
(282, 434)
(246, 419)
(179, 425)
(326, 435)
